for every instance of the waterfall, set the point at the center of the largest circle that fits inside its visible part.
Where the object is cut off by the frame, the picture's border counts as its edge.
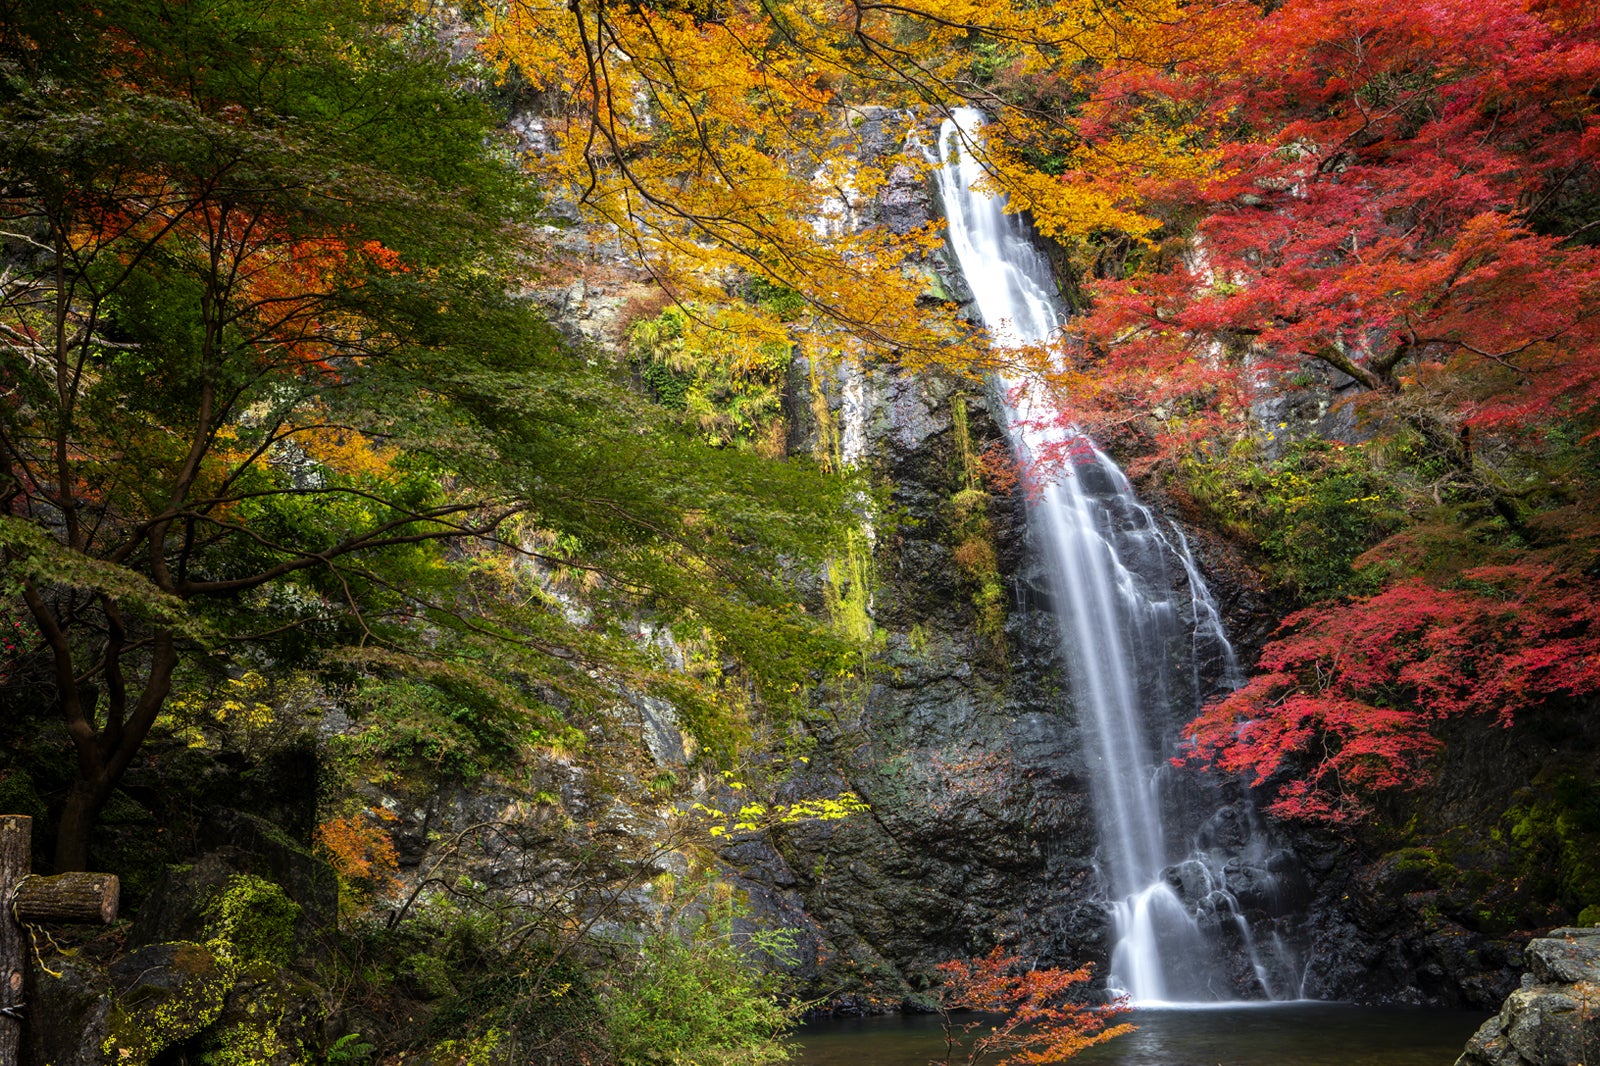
(1144, 643)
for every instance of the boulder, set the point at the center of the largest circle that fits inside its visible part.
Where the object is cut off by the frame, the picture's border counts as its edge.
(69, 1012)
(271, 1017)
(161, 996)
(240, 844)
(1554, 1018)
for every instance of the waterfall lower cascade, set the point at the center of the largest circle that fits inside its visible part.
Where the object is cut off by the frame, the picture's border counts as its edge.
(1195, 889)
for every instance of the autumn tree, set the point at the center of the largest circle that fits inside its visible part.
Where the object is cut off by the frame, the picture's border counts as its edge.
(260, 367)
(1404, 196)
(1032, 1015)
(1342, 706)
(1405, 207)
(745, 138)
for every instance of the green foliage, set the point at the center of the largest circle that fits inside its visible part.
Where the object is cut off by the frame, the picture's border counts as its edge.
(349, 1050)
(989, 56)
(426, 975)
(525, 997)
(734, 398)
(454, 731)
(972, 533)
(325, 435)
(252, 920)
(486, 1050)
(1311, 511)
(787, 304)
(695, 995)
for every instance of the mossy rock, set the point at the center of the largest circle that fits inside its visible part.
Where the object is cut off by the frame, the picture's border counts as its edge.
(163, 995)
(252, 920)
(271, 1018)
(181, 908)
(279, 858)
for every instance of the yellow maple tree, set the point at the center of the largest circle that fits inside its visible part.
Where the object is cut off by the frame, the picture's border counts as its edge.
(729, 138)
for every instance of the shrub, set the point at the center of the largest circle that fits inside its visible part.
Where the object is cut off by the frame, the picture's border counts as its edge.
(696, 996)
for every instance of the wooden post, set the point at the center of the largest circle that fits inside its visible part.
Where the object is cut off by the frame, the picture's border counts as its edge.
(76, 897)
(16, 860)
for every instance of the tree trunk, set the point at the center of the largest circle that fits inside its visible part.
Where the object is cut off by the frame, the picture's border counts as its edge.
(16, 860)
(77, 823)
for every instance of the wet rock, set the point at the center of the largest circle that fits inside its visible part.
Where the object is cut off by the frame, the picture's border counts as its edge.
(903, 204)
(1554, 1018)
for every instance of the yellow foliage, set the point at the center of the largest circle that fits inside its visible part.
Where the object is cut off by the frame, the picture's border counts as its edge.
(713, 134)
(755, 816)
(345, 451)
(238, 707)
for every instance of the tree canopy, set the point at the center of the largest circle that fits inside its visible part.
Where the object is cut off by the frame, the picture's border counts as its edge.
(267, 393)
(730, 138)
(1404, 217)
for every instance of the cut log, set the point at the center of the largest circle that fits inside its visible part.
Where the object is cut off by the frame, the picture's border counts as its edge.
(16, 859)
(74, 897)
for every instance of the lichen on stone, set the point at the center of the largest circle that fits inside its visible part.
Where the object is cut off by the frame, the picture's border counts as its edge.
(176, 990)
(251, 919)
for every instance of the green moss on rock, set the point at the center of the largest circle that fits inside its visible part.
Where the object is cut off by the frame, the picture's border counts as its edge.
(169, 992)
(252, 920)
(271, 1018)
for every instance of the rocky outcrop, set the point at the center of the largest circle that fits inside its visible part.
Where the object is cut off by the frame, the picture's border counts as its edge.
(959, 739)
(147, 1002)
(208, 969)
(1554, 1018)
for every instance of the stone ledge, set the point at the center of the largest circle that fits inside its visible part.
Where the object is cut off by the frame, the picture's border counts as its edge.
(1554, 1018)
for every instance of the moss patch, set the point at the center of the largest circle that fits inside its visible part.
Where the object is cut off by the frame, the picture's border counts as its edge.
(252, 920)
(176, 991)
(271, 1019)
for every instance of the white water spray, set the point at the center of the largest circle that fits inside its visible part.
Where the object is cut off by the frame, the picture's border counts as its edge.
(1131, 606)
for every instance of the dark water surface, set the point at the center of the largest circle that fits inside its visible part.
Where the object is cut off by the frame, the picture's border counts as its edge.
(1282, 1034)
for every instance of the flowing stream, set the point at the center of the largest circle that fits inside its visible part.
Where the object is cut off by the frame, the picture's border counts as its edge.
(1195, 890)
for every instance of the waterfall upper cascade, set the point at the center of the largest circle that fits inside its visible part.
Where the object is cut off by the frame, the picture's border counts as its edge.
(1195, 889)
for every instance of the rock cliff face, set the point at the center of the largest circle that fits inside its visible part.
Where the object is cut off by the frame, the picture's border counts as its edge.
(964, 742)
(980, 827)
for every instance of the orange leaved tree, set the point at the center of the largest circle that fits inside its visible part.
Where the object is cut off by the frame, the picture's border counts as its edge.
(746, 137)
(1032, 1015)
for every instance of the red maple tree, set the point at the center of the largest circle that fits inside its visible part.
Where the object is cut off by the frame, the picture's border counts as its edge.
(1344, 699)
(1032, 1019)
(1398, 197)
(1404, 205)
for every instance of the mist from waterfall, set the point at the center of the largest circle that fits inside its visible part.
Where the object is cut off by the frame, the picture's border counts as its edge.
(1189, 878)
